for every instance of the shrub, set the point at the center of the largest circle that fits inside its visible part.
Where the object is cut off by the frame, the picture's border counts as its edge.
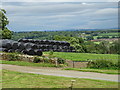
(46, 60)
(109, 64)
(51, 52)
(36, 60)
(13, 57)
(61, 61)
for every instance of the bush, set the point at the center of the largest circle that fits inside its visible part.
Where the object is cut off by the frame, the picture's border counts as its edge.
(46, 60)
(61, 61)
(108, 64)
(51, 52)
(13, 57)
(36, 60)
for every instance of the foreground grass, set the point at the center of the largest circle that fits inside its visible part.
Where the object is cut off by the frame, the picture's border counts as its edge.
(13, 79)
(23, 63)
(83, 56)
(105, 71)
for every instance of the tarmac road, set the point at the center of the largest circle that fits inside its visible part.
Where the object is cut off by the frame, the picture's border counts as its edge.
(59, 72)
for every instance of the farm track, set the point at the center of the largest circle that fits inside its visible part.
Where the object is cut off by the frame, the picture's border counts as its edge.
(58, 72)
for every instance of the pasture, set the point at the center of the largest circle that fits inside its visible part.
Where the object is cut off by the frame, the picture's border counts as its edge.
(84, 56)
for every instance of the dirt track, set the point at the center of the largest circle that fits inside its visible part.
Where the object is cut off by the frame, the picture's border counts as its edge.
(59, 72)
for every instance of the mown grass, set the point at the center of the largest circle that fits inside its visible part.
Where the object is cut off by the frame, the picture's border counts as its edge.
(84, 56)
(12, 79)
(23, 63)
(105, 71)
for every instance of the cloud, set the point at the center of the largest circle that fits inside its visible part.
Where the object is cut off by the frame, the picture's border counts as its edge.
(61, 1)
(60, 15)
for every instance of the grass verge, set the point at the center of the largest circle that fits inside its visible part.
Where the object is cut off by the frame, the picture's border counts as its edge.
(12, 79)
(23, 63)
(105, 71)
(84, 56)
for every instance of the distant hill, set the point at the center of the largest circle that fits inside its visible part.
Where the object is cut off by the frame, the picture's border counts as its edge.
(49, 35)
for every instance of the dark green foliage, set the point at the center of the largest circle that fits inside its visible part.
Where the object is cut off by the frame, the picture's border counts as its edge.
(6, 34)
(61, 61)
(37, 59)
(13, 57)
(51, 52)
(3, 19)
(99, 64)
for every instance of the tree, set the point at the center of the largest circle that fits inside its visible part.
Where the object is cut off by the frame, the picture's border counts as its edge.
(6, 34)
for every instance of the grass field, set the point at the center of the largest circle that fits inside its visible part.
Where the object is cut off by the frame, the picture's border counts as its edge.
(108, 34)
(23, 63)
(105, 71)
(13, 79)
(84, 56)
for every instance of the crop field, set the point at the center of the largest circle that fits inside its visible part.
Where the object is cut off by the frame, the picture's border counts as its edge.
(84, 56)
(12, 79)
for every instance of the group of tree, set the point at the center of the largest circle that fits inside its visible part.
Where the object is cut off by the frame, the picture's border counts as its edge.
(82, 46)
(5, 33)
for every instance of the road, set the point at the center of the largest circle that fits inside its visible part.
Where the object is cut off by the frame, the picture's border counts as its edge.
(59, 72)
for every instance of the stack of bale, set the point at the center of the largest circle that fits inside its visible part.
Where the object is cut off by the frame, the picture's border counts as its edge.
(21, 47)
(50, 45)
(35, 47)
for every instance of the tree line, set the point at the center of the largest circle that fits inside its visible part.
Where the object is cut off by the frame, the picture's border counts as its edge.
(82, 46)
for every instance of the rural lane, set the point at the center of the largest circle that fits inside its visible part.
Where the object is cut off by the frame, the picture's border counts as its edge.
(59, 72)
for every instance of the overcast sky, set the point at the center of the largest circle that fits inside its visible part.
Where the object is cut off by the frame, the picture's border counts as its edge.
(40, 16)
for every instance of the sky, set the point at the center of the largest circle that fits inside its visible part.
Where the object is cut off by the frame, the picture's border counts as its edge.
(55, 16)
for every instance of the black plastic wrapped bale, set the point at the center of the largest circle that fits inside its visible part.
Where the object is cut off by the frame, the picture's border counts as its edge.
(34, 46)
(29, 40)
(38, 52)
(27, 45)
(65, 47)
(36, 41)
(30, 51)
(25, 40)
(21, 46)
(11, 50)
(4, 42)
(55, 47)
(18, 50)
(31, 45)
(50, 46)
(8, 45)
(6, 50)
(14, 45)
(24, 52)
(47, 42)
(20, 40)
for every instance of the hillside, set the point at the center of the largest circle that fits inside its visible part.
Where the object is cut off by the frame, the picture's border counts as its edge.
(49, 35)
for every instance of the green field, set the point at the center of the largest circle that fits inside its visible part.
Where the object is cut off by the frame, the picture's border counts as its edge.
(108, 34)
(23, 63)
(13, 79)
(84, 56)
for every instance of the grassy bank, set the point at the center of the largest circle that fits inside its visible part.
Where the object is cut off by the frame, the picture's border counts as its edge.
(13, 79)
(23, 63)
(83, 56)
(105, 71)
